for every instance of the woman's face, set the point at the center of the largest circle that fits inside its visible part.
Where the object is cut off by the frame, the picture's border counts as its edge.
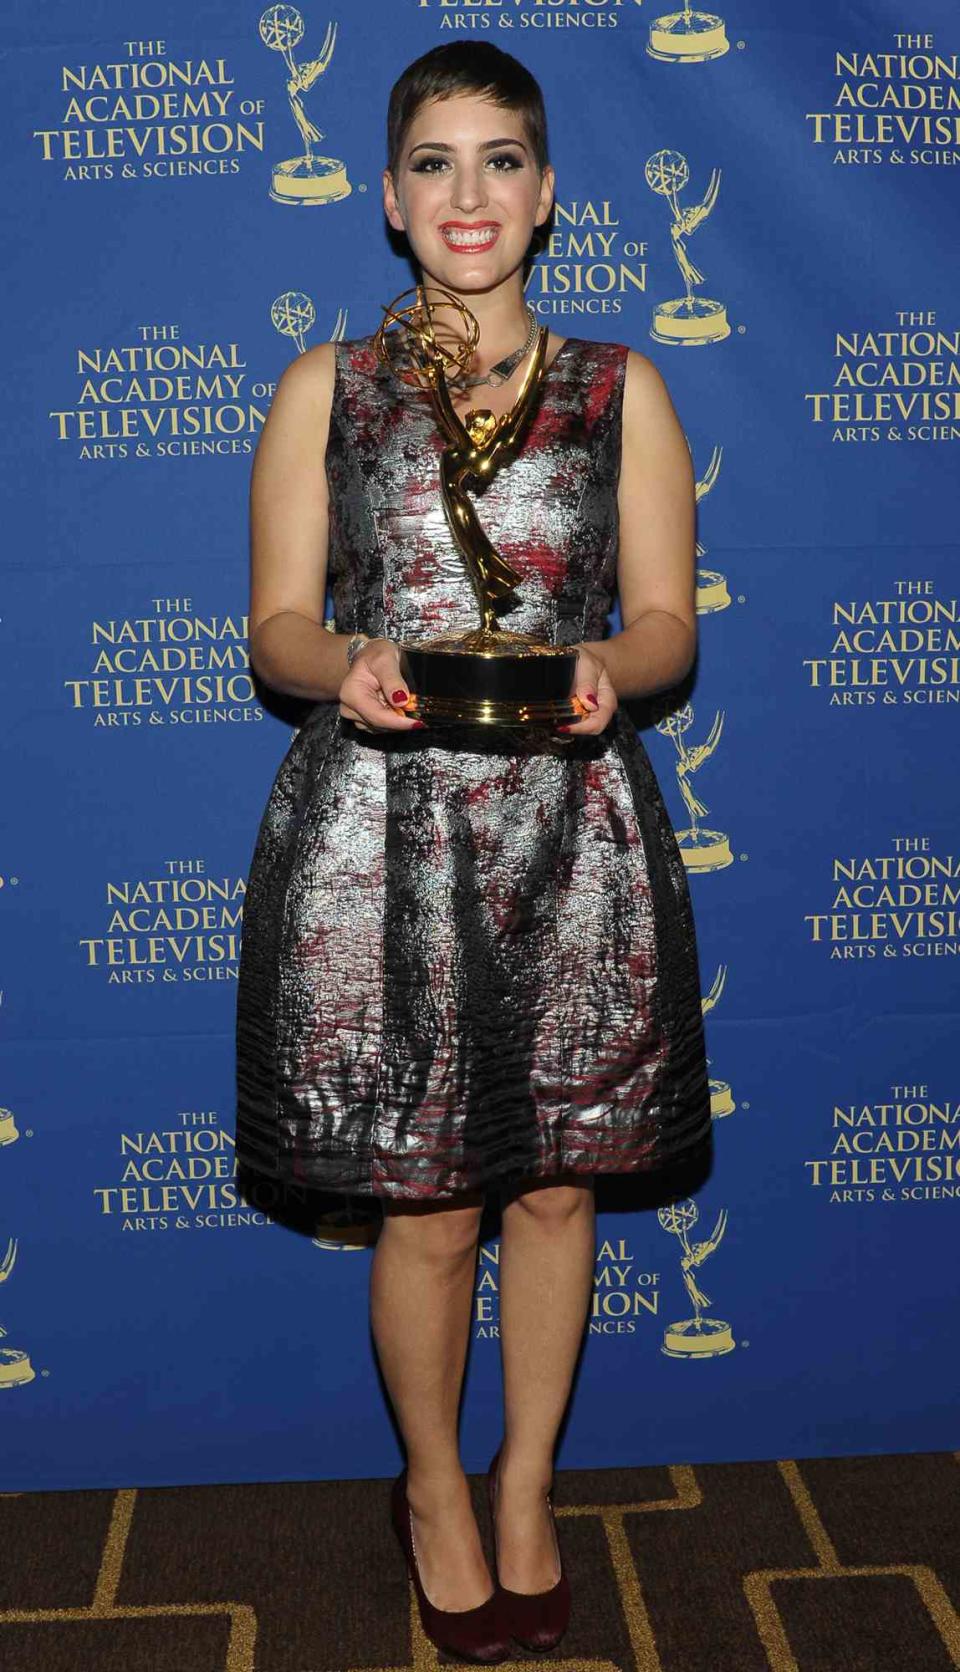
(467, 192)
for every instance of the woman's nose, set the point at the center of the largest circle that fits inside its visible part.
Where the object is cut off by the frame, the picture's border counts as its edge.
(469, 190)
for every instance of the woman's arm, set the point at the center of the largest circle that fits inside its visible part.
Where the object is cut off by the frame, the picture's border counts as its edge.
(656, 571)
(290, 649)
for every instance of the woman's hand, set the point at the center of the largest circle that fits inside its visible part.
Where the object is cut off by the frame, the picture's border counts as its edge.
(593, 694)
(374, 694)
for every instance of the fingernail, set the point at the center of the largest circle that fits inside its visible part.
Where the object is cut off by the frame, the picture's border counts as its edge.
(564, 728)
(592, 697)
(417, 723)
(399, 696)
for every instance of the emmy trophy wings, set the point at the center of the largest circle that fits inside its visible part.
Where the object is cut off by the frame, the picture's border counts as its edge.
(710, 475)
(696, 756)
(710, 999)
(306, 74)
(691, 217)
(700, 1250)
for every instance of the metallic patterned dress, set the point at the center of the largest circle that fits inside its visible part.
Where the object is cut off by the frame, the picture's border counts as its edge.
(468, 957)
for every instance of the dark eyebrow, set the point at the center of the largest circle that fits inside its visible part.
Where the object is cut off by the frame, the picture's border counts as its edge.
(488, 145)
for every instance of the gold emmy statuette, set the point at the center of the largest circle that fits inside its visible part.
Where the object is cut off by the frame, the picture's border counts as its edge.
(687, 36)
(721, 1093)
(702, 849)
(308, 179)
(698, 1337)
(686, 321)
(712, 591)
(15, 1366)
(486, 676)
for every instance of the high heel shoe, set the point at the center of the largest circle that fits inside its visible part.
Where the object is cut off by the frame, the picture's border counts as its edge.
(536, 1619)
(476, 1634)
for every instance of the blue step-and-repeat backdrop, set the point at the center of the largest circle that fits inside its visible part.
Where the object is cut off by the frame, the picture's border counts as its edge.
(765, 202)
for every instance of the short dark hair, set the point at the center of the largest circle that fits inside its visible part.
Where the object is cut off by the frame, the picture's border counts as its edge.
(466, 67)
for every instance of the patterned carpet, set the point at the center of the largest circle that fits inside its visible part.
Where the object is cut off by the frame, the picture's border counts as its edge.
(827, 1565)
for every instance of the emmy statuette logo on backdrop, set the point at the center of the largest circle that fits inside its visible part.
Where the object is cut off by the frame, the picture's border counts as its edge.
(306, 180)
(702, 849)
(9, 1131)
(698, 1337)
(712, 593)
(15, 1367)
(686, 321)
(687, 37)
(721, 1096)
(293, 315)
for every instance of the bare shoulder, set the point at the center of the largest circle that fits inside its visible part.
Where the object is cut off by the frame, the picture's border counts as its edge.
(298, 420)
(644, 387)
(308, 380)
(647, 406)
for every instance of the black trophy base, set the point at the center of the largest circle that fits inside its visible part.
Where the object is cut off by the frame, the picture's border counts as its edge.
(491, 678)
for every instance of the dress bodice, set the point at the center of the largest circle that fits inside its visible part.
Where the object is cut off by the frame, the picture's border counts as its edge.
(393, 568)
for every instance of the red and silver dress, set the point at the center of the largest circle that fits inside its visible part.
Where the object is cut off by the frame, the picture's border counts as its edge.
(468, 958)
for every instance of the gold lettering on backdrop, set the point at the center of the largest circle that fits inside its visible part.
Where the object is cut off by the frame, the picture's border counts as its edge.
(182, 1177)
(162, 397)
(899, 384)
(169, 667)
(590, 262)
(182, 925)
(149, 117)
(901, 904)
(621, 1293)
(899, 106)
(475, 16)
(903, 1149)
(901, 649)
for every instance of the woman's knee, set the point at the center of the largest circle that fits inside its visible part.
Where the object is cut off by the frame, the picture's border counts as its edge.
(551, 1202)
(441, 1234)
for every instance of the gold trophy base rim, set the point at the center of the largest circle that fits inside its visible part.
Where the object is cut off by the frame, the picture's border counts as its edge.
(670, 41)
(505, 679)
(686, 324)
(456, 711)
(325, 182)
(685, 1340)
(712, 592)
(704, 850)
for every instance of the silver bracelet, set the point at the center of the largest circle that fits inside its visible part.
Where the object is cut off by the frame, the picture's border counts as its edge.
(354, 645)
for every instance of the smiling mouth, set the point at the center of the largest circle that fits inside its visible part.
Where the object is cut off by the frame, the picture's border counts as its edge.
(466, 239)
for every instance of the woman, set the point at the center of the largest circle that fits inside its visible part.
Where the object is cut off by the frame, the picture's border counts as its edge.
(468, 959)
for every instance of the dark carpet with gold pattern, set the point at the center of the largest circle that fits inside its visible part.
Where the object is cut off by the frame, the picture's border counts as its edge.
(820, 1565)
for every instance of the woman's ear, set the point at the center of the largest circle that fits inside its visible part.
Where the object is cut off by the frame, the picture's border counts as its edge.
(390, 205)
(548, 182)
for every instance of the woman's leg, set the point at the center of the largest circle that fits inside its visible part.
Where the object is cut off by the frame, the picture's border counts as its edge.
(421, 1294)
(547, 1252)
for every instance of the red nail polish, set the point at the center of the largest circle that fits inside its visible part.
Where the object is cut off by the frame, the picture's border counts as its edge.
(417, 723)
(399, 696)
(592, 697)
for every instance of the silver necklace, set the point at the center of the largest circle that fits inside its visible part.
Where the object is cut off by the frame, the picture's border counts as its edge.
(502, 370)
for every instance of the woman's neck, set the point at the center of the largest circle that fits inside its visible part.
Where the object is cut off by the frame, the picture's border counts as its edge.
(503, 320)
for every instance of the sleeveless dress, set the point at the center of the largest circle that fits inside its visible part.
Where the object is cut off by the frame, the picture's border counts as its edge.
(468, 957)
